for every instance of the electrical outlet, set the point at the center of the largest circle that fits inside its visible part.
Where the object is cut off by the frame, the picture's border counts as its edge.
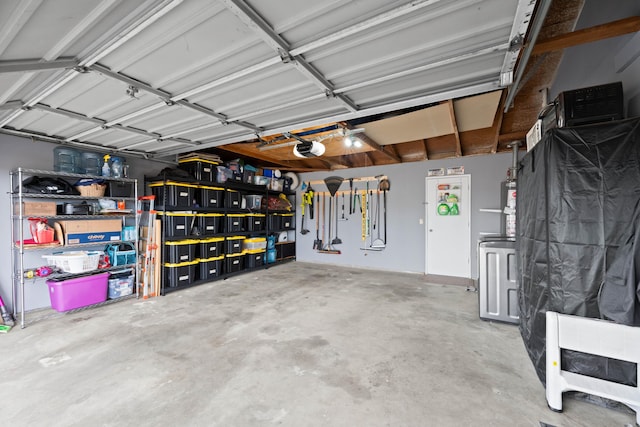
(421, 221)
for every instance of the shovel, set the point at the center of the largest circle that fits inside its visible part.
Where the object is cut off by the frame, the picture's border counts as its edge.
(317, 244)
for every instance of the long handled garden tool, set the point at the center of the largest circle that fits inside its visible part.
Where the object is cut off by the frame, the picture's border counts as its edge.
(385, 186)
(337, 240)
(317, 244)
(378, 242)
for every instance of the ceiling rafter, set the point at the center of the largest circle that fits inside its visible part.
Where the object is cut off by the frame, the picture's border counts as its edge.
(497, 122)
(454, 125)
(241, 150)
(588, 35)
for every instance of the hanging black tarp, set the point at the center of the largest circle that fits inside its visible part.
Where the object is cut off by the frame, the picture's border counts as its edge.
(577, 192)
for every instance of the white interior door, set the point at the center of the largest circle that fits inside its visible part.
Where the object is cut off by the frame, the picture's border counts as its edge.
(448, 227)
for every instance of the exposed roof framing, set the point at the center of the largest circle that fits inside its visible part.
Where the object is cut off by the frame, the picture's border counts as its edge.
(160, 78)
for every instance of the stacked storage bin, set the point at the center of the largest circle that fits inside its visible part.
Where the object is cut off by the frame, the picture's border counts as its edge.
(210, 254)
(209, 223)
(210, 197)
(254, 250)
(200, 169)
(180, 262)
(178, 194)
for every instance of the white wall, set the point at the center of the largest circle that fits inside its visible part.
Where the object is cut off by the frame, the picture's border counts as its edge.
(405, 249)
(593, 63)
(25, 153)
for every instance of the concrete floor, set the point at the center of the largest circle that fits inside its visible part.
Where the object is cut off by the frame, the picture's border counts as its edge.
(296, 345)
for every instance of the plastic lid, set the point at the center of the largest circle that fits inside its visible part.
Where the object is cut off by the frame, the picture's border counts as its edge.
(175, 213)
(183, 264)
(218, 258)
(161, 183)
(197, 159)
(236, 238)
(255, 251)
(234, 255)
(181, 242)
(211, 240)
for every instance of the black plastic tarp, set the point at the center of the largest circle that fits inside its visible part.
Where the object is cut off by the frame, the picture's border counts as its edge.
(577, 193)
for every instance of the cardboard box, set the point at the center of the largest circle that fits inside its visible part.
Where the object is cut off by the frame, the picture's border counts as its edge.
(89, 231)
(36, 208)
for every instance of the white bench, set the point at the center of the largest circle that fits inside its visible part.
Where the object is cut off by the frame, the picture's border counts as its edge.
(591, 336)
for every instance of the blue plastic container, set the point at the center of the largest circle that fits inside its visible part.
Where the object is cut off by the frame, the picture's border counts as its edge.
(90, 163)
(66, 159)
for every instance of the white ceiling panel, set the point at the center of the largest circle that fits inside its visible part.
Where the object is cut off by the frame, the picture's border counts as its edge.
(211, 70)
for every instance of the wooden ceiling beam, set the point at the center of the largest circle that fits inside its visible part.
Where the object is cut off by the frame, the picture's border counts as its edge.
(252, 154)
(513, 136)
(454, 124)
(497, 122)
(588, 35)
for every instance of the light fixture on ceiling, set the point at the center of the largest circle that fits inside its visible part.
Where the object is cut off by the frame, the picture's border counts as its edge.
(350, 141)
(309, 149)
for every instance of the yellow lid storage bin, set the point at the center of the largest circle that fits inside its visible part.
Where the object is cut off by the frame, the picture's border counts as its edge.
(209, 223)
(178, 251)
(180, 274)
(200, 169)
(235, 222)
(177, 224)
(234, 244)
(210, 268)
(210, 197)
(287, 221)
(210, 248)
(234, 263)
(233, 199)
(255, 243)
(255, 222)
(178, 194)
(254, 258)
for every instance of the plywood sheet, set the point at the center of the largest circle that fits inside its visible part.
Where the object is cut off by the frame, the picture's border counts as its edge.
(476, 112)
(422, 124)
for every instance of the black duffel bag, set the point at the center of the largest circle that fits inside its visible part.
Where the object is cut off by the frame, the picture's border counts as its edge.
(48, 185)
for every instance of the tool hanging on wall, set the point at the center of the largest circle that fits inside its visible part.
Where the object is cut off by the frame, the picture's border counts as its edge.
(378, 243)
(385, 186)
(333, 184)
(344, 218)
(363, 214)
(307, 200)
(352, 206)
(317, 244)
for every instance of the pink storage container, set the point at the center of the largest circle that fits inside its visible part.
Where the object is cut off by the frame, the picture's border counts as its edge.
(78, 292)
